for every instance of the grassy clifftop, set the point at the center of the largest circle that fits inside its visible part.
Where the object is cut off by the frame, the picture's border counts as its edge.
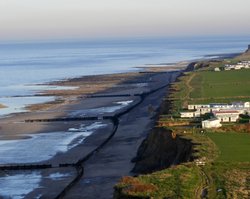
(176, 182)
(211, 87)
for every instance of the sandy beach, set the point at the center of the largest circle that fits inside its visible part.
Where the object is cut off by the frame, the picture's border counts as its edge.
(2, 106)
(78, 130)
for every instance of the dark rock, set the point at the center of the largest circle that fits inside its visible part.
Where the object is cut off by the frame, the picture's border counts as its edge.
(161, 150)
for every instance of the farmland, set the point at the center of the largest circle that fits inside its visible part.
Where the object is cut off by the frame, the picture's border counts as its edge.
(211, 87)
(233, 147)
(224, 85)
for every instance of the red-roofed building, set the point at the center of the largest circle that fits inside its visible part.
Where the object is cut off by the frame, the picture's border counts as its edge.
(227, 115)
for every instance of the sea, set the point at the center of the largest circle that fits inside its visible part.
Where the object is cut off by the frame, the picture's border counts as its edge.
(24, 65)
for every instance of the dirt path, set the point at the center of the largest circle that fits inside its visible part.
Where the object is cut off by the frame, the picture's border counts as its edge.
(189, 89)
(229, 97)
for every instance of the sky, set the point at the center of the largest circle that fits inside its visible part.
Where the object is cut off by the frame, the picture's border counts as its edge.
(44, 19)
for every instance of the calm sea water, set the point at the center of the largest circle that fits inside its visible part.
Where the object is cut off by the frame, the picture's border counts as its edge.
(25, 63)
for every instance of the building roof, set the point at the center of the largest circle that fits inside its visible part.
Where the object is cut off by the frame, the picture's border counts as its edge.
(211, 120)
(225, 111)
(238, 103)
(187, 111)
(218, 104)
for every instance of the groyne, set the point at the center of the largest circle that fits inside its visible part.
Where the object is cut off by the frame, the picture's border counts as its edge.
(79, 165)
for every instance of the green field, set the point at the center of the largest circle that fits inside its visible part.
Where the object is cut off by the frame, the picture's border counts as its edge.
(203, 87)
(224, 86)
(233, 147)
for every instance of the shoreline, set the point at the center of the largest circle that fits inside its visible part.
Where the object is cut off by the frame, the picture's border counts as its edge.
(138, 121)
(67, 86)
(2, 106)
(133, 84)
(81, 87)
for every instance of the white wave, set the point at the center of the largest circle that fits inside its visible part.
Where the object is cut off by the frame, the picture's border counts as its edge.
(59, 176)
(43, 146)
(19, 185)
(124, 103)
(102, 110)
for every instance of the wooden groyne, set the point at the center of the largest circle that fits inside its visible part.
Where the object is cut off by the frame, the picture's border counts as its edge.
(103, 96)
(26, 167)
(62, 119)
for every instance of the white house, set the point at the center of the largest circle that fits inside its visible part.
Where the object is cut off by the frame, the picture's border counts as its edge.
(227, 115)
(238, 66)
(228, 67)
(238, 104)
(217, 69)
(247, 104)
(211, 123)
(190, 114)
(197, 106)
(222, 112)
(220, 105)
(204, 110)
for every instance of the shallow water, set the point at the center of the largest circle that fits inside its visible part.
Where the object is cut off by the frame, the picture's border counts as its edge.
(18, 104)
(44, 146)
(18, 185)
(102, 110)
(25, 63)
(58, 176)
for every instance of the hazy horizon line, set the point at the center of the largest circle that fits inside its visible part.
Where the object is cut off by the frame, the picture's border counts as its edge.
(129, 37)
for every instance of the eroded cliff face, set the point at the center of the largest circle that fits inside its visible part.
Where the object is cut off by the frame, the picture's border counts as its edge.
(161, 149)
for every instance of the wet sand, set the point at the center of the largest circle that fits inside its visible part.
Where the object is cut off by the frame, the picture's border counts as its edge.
(96, 96)
(2, 106)
(105, 169)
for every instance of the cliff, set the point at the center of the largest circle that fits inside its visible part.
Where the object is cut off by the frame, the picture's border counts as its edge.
(246, 55)
(161, 149)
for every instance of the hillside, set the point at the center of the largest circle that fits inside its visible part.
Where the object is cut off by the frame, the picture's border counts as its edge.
(245, 55)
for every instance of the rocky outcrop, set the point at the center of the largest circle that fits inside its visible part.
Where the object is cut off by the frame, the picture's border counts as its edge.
(161, 149)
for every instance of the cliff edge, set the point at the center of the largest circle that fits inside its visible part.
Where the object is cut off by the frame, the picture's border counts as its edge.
(161, 149)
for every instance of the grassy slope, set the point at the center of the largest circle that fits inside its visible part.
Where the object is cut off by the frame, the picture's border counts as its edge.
(177, 182)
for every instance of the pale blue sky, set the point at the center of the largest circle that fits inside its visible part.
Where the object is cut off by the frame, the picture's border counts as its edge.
(41, 19)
